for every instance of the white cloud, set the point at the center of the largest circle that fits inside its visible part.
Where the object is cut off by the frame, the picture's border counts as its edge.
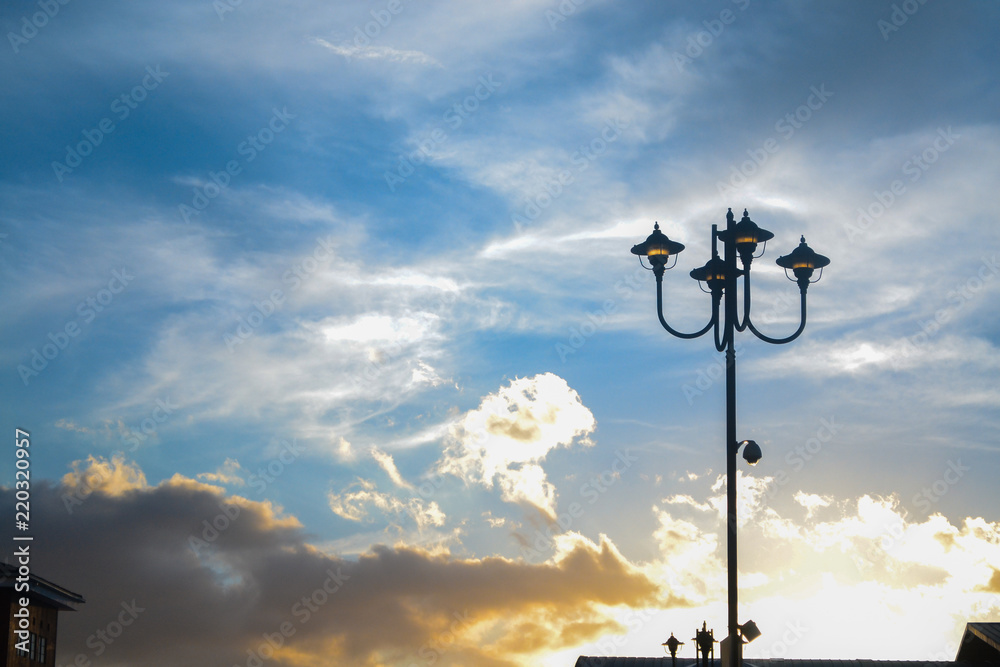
(690, 562)
(345, 452)
(870, 558)
(230, 472)
(811, 501)
(506, 438)
(354, 503)
(387, 463)
(379, 53)
(855, 357)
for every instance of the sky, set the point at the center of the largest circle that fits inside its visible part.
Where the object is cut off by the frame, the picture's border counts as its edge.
(322, 321)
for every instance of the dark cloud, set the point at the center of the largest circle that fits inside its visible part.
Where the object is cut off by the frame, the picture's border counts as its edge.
(522, 427)
(993, 586)
(212, 579)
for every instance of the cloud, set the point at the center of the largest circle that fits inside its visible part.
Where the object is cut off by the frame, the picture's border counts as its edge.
(378, 53)
(339, 340)
(993, 586)
(214, 576)
(353, 502)
(387, 463)
(230, 472)
(506, 438)
(864, 557)
(690, 558)
(914, 352)
(110, 477)
(811, 501)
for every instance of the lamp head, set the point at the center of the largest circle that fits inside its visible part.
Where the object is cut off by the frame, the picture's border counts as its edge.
(751, 452)
(657, 248)
(750, 631)
(803, 261)
(746, 235)
(713, 274)
(672, 645)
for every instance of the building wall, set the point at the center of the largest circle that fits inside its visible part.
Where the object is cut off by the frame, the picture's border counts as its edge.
(42, 622)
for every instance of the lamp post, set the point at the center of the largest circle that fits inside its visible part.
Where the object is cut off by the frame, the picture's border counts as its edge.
(720, 275)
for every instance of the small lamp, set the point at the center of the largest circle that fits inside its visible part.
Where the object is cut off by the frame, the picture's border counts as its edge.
(671, 645)
(658, 249)
(751, 454)
(803, 261)
(713, 274)
(746, 236)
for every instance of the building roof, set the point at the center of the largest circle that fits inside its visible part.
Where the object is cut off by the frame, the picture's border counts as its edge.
(42, 590)
(988, 632)
(980, 642)
(608, 661)
(980, 648)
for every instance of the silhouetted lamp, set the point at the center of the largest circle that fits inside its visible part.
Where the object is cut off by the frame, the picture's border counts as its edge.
(749, 630)
(658, 249)
(712, 274)
(671, 646)
(751, 454)
(747, 235)
(803, 261)
(704, 640)
(721, 276)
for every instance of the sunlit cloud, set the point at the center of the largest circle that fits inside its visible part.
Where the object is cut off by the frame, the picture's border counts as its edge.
(811, 502)
(354, 501)
(113, 477)
(387, 464)
(230, 473)
(505, 439)
(231, 569)
(863, 552)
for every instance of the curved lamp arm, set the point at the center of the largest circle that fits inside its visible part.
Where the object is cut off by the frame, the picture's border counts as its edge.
(728, 334)
(741, 326)
(780, 341)
(659, 311)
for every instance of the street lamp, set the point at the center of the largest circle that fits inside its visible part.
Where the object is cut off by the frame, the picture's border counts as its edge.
(720, 276)
(671, 645)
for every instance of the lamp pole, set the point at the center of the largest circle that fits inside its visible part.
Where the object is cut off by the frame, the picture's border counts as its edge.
(721, 276)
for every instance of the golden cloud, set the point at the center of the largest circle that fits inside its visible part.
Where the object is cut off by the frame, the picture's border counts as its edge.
(221, 578)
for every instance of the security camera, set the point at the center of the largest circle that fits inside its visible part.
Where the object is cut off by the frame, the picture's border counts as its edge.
(751, 452)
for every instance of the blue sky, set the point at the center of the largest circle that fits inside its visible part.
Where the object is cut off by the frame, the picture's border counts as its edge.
(360, 271)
